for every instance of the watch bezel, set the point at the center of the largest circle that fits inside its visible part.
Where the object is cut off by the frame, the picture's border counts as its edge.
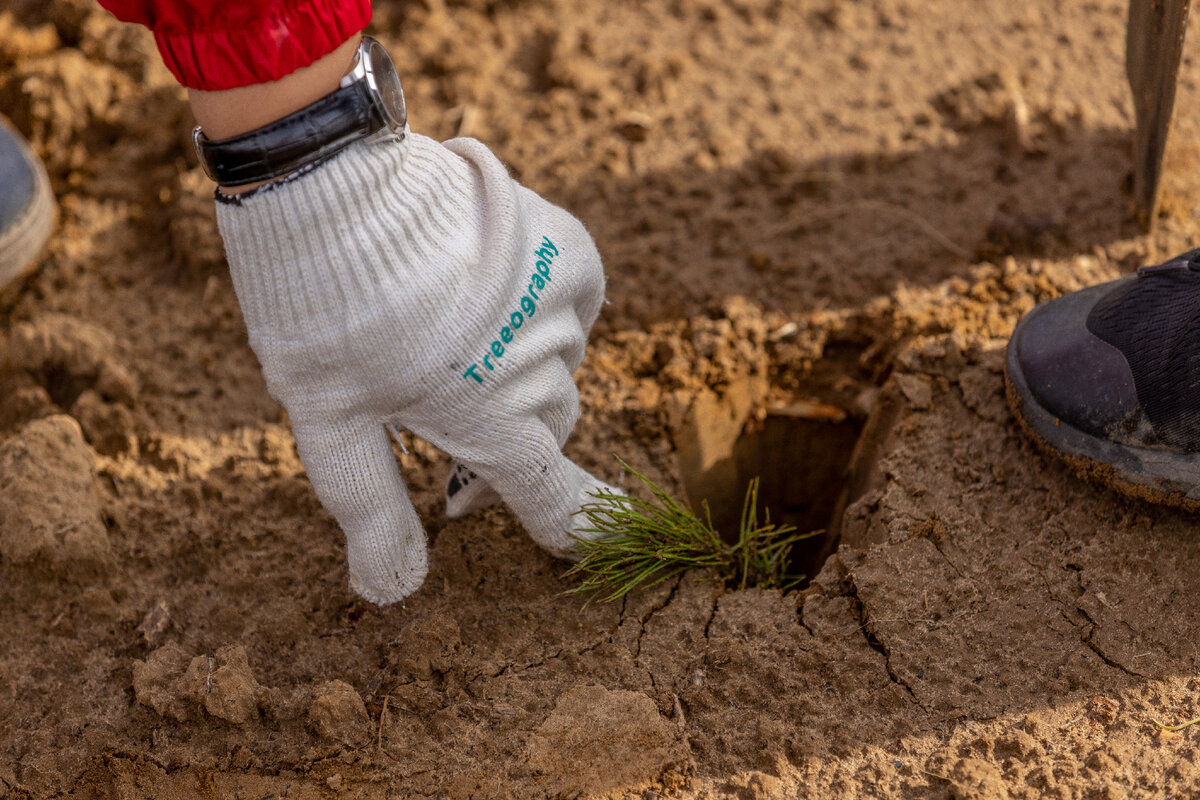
(372, 56)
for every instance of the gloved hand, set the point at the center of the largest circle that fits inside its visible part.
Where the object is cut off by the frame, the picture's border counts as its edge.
(416, 285)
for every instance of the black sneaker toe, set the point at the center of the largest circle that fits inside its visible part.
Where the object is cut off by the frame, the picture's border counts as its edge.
(1103, 379)
(1075, 377)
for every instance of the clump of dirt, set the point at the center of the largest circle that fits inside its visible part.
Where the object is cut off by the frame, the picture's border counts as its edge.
(597, 739)
(820, 224)
(338, 714)
(50, 516)
(219, 683)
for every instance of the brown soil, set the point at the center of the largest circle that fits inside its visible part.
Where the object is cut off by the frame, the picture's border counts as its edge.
(846, 202)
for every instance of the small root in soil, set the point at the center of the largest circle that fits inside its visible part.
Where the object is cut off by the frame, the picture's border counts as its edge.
(1189, 723)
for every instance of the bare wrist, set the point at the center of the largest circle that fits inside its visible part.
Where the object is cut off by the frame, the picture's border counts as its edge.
(236, 111)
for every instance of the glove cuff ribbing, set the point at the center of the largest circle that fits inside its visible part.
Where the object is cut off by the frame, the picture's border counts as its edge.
(368, 218)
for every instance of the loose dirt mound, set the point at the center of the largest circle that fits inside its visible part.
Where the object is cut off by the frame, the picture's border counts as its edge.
(801, 205)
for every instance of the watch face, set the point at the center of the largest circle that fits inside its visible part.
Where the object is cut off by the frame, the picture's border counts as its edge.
(387, 83)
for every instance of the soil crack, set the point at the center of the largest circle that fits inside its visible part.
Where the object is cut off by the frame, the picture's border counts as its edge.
(935, 531)
(644, 621)
(712, 614)
(937, 545)
(1062, 604)
(514, 668)
(1088, 637)
(1088, 631)
(700, 665)
(866, 628)
(800, 618)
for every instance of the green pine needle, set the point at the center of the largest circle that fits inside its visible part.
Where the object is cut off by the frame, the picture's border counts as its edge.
(635, 542)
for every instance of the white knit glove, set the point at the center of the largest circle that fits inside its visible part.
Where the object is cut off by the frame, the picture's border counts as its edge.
(416, 285)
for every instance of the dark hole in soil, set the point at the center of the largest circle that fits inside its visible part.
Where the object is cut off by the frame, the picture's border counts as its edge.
(63, 387)
(801, 465)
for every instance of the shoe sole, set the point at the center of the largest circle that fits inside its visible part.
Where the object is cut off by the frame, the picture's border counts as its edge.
(1158, 476)
(21, 244)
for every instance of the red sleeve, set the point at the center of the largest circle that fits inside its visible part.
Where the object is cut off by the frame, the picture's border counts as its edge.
(224, 44)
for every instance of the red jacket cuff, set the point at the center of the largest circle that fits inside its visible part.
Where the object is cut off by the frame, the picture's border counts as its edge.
(281, 42)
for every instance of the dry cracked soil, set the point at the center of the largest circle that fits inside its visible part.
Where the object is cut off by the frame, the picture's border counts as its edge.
(803, 206)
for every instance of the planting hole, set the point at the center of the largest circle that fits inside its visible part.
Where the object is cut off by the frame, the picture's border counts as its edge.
(799, 452)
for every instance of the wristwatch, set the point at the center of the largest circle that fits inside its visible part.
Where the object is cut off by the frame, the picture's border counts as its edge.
(368, 104)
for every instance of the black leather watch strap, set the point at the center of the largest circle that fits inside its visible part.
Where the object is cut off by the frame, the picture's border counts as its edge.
(313, 133)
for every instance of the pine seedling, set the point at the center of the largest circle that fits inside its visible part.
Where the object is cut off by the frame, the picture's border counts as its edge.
(634, 542)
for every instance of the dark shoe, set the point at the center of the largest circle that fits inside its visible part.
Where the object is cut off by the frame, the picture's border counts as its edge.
(27, 207)
(1108, 379)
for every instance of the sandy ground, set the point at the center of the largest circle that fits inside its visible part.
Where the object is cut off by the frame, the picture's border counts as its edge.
(843, 201)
